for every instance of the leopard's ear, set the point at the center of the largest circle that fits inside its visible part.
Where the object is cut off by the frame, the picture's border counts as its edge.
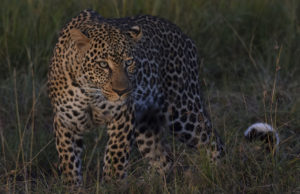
(82, 41)
(135, 32)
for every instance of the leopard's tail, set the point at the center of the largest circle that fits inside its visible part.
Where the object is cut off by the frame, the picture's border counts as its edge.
(263, 132)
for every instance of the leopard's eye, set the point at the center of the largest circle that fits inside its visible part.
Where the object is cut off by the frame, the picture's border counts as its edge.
(103, 64)
(130, 66)
(128, 62)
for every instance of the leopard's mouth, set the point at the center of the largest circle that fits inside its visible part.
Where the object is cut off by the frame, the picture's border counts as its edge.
(114, 96)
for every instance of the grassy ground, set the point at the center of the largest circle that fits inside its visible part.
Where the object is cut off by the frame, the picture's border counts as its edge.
(250, 69)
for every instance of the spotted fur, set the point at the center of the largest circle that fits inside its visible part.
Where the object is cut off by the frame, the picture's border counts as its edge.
(138, 76)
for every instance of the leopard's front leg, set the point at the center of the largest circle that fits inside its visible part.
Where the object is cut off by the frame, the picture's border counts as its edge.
(69, 142)
(120, 131)
(69, 148)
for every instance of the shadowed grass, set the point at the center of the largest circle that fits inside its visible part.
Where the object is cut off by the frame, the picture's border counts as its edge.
(250, 72)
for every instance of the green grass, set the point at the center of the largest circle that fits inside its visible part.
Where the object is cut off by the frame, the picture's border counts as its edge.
(250, 72)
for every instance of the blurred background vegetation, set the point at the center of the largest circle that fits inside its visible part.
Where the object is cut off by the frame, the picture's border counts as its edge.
(250, 67)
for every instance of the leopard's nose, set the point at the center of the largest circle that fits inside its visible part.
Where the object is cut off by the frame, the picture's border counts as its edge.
(121, 92)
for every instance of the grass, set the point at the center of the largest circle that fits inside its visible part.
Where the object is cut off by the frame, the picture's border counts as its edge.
(250, 72)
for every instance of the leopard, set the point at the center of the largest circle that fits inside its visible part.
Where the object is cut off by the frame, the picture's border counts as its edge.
(137, 76)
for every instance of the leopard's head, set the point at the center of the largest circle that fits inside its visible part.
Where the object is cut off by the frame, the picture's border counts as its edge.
(105, 59)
